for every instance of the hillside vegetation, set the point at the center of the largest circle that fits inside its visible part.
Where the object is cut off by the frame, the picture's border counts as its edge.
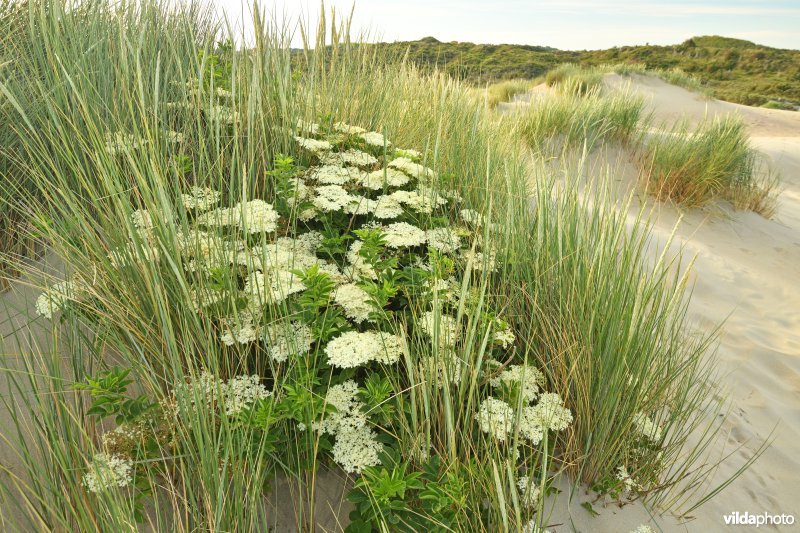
(731, 69)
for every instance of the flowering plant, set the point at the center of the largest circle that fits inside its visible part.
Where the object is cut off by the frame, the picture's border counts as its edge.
(357, 278)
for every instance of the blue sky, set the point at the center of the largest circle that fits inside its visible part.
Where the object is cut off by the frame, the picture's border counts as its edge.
(565, 24)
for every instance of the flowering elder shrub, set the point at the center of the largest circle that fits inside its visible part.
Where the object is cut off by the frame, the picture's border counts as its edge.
(357, 273)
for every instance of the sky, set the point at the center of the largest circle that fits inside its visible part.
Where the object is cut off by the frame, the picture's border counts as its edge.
(564, 24)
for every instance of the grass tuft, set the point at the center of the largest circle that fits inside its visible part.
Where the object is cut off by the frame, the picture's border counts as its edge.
(713, 160)
(569, 118)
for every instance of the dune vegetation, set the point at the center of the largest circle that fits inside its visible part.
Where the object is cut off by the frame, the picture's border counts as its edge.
(689, 166)
(574, 116)
(282, 267)
(728, 69)
(712, 160)
(573, 79)
(504, 91)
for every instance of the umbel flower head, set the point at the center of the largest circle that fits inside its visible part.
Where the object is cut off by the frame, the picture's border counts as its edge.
(56, 297)
(352, 349)
(356, 445)
(108, 471)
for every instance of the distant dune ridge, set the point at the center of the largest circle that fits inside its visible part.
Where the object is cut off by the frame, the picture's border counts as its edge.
(733, 69)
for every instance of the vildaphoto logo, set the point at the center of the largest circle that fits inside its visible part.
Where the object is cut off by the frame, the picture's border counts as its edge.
(762, 519)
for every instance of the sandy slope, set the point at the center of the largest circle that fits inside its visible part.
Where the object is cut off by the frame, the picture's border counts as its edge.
(748, 271)
(747, 274)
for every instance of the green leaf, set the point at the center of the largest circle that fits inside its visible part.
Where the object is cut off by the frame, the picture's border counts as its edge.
(590, 509)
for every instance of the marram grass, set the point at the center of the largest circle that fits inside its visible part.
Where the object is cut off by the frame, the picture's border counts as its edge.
(245, 315)
(714, 160)
(571, 118)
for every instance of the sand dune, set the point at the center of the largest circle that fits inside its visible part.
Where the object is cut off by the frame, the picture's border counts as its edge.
(746, 274)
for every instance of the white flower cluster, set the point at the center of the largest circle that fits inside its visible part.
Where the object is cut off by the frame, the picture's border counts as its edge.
(481, 261)
(356, 445)
(504, 337)
(408, 153)
(529, 492)
(108, 471)
(352, 157)
(271, 287)
(353, 349)
(445, 240)
(200, 198)
(347, 128)
(334, 174)
(241, 392)
(643, 528)
(287, 339)
(528, 378)
(415, 170)
(403, 235)
(142, 220)
(241, 330)
(232, 397)
(255, 216)
(315, 146)
(550, 412)
(355, 301)
(373, 138)
(422, 200)
(496, 418)
(629, 484)
(378, 179)
(646, 427)
(445, 326)
(55, 297)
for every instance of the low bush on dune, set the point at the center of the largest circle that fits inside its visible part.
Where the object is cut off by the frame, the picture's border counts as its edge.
(676, 76)
(714, 160)
(782, 105)
(260, 290)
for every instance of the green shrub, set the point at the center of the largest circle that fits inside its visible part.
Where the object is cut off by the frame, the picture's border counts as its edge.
(505, 91)
(784, 106)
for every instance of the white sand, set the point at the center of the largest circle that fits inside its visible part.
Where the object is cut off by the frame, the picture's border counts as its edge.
(747, 275)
